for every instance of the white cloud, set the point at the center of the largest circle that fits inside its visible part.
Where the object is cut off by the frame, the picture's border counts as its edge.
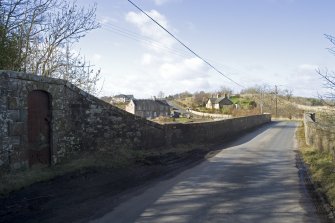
(163, 70)
(146, 59)
(304, 81)
(307, 67)
(150, 29)
(106, 19)
(187, 69)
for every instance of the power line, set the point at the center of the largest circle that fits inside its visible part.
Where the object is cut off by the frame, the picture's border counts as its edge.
(152, 42)
(146, 40)
(184, 45)
(149, 42)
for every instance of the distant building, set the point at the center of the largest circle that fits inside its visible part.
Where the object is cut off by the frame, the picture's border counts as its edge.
(175, 113)
(148, 108)
(122, 98)
(219, 102)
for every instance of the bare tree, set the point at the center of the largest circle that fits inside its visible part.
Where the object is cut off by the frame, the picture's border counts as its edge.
(38, 36)
(77, 70)
(288, 93)
(200, 98)
(67, 25)
(160, 95)
(329, 84)
(225, 90)
(328, 76)
(10, 17)
(22, 21)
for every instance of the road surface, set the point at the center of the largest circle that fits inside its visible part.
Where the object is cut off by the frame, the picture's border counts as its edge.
(252, 180)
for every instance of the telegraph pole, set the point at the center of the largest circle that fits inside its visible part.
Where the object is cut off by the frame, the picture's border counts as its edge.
(262, 99)
(276, 99)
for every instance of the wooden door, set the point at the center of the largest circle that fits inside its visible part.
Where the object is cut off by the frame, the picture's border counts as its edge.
(39, 119)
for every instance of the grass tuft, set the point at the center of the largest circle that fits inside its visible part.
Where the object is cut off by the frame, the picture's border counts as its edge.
(321, 166)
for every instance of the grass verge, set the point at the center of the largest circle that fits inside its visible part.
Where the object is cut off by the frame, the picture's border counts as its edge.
(125, 158)
(321, 166)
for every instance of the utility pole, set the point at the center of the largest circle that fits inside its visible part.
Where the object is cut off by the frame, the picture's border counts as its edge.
(262, 99)
(262, 90)
(276, 99)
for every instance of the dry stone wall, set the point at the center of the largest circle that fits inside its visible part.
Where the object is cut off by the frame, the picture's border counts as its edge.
(80, 122)
(210, 132)
(319, 135)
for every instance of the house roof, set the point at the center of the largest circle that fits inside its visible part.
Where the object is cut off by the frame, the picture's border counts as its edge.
(212, 100)
(222, 100)
(124, 96)
(148, 102)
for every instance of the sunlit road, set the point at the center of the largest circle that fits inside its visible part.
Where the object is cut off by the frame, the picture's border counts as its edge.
(252, 180)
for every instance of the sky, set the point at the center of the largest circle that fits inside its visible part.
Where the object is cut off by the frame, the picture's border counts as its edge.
(252, 42)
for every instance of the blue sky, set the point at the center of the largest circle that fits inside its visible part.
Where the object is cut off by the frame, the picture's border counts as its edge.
(254, 42)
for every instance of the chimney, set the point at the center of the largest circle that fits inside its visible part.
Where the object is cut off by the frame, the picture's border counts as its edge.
(217, 95)
(225, 96)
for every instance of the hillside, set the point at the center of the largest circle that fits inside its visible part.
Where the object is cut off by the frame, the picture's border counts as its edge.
(248, 104)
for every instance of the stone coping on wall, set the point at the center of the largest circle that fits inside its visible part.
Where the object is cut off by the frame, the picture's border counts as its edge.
(32, 77)
(218, 121)
(56, 81)
(309, 119)
(44, 79)
(210, 114)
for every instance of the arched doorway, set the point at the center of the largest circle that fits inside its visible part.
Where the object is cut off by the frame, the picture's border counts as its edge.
(39, 121)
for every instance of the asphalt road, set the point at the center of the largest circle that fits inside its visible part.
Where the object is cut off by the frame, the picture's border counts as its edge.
(252, 180)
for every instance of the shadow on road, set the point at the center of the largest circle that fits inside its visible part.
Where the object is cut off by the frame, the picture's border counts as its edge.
(251, 134)
(248, 183)
(81, 197)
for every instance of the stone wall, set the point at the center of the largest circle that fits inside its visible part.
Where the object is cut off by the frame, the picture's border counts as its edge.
(211, 115)
(81, 122)
(216, 131)
(319, 135)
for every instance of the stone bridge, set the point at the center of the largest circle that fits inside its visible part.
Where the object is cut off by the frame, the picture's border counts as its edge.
(45, 121)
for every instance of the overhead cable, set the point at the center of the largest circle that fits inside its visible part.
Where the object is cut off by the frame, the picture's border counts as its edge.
(184, 45)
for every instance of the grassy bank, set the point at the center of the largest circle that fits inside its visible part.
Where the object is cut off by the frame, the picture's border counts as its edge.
(321, 166)
(15, 180)
(108, 161)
